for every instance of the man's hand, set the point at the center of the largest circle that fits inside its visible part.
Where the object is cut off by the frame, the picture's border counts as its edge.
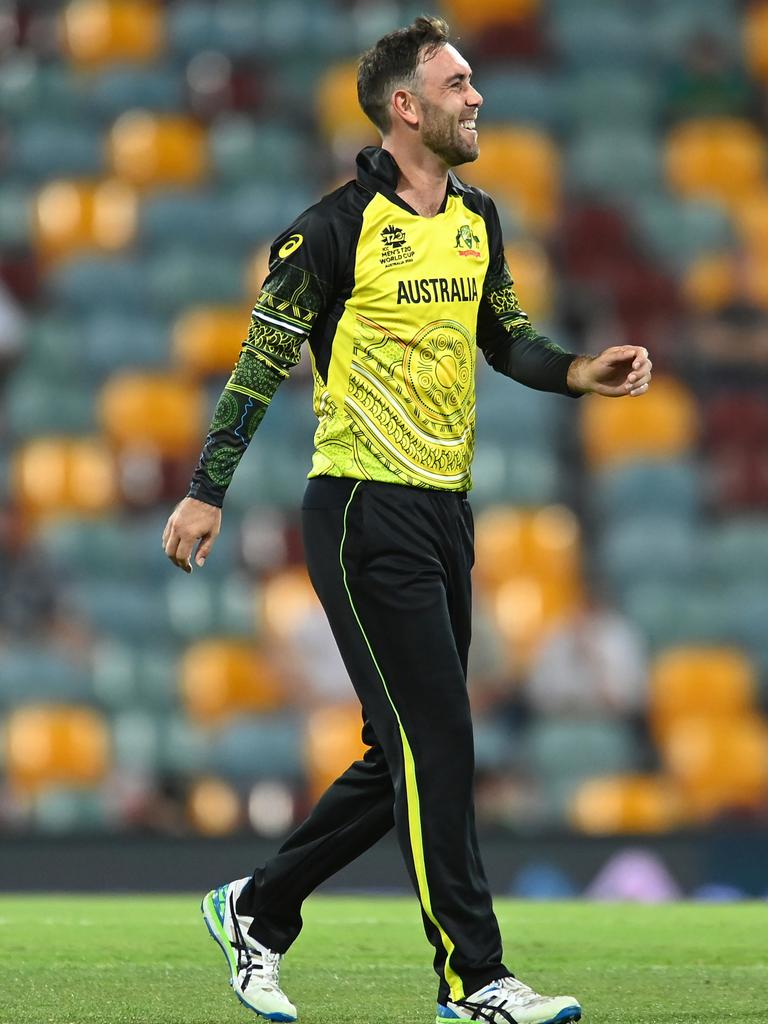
(190, 522)
(617, 371)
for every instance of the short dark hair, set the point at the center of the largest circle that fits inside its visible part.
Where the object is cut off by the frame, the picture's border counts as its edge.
(394, 61)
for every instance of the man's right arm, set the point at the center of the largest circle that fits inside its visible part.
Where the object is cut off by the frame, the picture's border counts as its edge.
(292, 296)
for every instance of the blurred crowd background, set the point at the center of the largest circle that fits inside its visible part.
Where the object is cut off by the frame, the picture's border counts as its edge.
(149, 153)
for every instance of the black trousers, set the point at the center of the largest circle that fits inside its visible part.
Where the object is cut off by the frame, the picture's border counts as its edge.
(391, 565)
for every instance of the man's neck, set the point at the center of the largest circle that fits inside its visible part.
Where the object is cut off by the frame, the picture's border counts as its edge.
(423, 178)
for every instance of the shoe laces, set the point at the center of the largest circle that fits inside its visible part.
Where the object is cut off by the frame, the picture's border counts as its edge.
(523, 994)
(250, 960)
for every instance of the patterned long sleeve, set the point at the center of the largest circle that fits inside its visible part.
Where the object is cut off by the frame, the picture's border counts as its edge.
(509, 342)
(266, 357)
(292, 298)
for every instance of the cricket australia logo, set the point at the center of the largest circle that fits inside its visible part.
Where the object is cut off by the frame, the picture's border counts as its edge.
(395, 250)
(467, 242)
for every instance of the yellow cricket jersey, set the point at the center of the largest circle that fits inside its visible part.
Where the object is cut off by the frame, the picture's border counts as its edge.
(393, 306)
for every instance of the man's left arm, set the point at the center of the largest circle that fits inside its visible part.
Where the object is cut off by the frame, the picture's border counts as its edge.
(512, 347)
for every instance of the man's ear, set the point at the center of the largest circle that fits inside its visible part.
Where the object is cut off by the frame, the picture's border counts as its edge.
(404, 107)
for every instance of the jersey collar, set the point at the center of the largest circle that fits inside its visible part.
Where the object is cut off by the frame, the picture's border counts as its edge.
(377, 171)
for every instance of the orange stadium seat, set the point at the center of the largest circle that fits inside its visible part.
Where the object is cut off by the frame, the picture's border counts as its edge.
(628, 804)
(100, 32)
(340, 118)
(708, 682)
(661, 424)
(256, 272)
(530, 561)
(709, 282)
(70, 216)
(469, 14)
(521, 166)
(333, 743)
(213, 807)
(756, 39)
(207, 340)
(158, 149)
(541, 542)
(56, 745)
(720, 158)
(532, 274)
(719, 764)
(159, 411)
(59, 476)
(222, 678)
(751, 218)
(285, 597)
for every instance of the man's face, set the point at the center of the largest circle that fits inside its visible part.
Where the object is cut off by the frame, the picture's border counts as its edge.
(448, 104)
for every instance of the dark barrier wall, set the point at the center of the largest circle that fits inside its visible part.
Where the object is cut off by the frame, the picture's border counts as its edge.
(724, 858)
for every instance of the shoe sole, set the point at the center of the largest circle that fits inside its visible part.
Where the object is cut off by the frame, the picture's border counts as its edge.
(569, 1013)
(215, 930)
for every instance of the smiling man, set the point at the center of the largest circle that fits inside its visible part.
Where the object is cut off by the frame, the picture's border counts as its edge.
(394, 281)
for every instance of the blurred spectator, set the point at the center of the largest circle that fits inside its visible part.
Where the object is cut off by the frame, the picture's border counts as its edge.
(707, 84)
(592, 664)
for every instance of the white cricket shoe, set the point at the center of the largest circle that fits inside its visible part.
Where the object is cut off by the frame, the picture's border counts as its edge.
(509, 1001)
(254, 970)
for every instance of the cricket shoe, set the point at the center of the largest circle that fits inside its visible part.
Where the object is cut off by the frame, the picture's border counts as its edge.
(509, 1001)
(254, 969)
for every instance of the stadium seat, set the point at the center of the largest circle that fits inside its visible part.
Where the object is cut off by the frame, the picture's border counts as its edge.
(58, 476)
(129, 677)
(626, 804)
(214, 807)
(220, 679)
(182, 276)
(67, 810)
(115, 339)
(672, 486)
(709, 282)
(473, 16)
(534, 188)
(610, 98)
(519, 473)
(158, 149)
(99, 32)
(245, 151)
(720, 158)
(340, 119)
(285, 598)
(613, 163)
(31, 673)
(51, 745)
(751, 219)
(673, 26)
(756, 39)
(662, 423)
(46, 148)
(532, 273)
(31, 90)
(627, 556)
(526, 606)
(670, 613)
(77, 215)
(157, 411)
(259, 747)
(333, 743)
(617, 38)
(16, 206)
(38, 406)
(191, 219)
(156, 88)
(84, 284)
(521, 98)
(512, 542)
(716, 683)
(738, 549)
(207, 340)
(680, 231)
(720, 764)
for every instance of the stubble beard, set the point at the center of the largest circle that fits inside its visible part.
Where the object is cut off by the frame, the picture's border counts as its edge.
(441, 134)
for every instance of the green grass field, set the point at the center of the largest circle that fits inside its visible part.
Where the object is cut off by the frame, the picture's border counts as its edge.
(149, 960)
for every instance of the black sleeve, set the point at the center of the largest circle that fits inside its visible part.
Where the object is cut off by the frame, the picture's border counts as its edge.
(299, 287)
(504, 332)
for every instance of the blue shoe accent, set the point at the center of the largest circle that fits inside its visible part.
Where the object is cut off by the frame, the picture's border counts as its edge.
(568, 1014)
(446, 1012)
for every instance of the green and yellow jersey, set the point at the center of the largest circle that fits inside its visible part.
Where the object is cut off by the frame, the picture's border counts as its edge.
(393, 307)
